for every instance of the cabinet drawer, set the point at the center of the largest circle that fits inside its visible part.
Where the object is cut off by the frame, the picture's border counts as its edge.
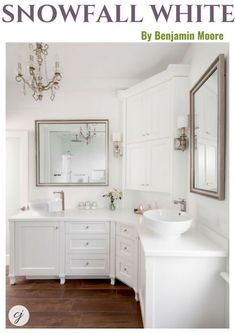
(89, 264)
(125, 248)
(87, 243)
(125, 230)
(124, 271)
(87, 227)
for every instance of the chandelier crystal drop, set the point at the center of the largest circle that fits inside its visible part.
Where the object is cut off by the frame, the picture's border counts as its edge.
(37, 68)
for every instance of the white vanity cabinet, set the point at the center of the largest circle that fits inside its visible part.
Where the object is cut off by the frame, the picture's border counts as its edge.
(59, 249)
(34, 248)
(181, 291)
(127, 255)
(178, 283)
(87, 248)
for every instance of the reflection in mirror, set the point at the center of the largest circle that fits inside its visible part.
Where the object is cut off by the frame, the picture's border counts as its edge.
(205, 100)
(207, 128)
(72, 152)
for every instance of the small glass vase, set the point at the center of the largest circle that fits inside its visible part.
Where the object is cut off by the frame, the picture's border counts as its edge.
(112, 206)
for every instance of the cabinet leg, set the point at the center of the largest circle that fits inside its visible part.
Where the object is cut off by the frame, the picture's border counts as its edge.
(62, 279)
(12, 279)
(136, 296)
(112, 281)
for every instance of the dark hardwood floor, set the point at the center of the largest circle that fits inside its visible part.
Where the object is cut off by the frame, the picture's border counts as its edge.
(77, 304)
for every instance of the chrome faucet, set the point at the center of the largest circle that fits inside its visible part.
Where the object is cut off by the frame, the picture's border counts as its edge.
(182, 203)
(61, 196)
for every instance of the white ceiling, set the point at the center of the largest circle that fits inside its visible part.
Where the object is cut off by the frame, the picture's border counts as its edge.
(132, 61)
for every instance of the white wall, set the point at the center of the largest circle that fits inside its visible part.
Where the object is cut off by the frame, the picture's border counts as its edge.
(211, 212)
(13, 181)
(22, 111)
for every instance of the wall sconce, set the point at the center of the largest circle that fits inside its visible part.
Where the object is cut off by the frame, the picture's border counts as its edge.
(181, 142)
(117, 143)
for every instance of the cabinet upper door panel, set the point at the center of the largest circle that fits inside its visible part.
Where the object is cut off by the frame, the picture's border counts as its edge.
(159, 108)
(136, 166)
(135, 119)
(160, 166)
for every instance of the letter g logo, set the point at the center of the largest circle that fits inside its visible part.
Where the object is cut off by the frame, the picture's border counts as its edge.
(18, 315)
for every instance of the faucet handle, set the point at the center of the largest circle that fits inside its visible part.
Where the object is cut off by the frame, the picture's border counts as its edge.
(58, 192)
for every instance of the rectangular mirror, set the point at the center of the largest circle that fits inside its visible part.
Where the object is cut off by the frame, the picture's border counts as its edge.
(72, 152)
(207, 131)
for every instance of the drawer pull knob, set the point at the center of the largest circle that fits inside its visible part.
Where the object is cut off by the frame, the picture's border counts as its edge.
(87, 243)
(87, 226)
(125, 230)
(125, 248)
(87, 263)
(125, 269)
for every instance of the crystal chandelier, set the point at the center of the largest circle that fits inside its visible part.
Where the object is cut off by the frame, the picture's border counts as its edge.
(88, 134)
(37, 68)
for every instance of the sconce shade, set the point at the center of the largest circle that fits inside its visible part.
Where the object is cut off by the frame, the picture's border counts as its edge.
(117, 137)
(182, 121)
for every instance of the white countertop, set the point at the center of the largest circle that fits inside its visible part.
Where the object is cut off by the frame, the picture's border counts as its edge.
(192, 243)
(121, 215)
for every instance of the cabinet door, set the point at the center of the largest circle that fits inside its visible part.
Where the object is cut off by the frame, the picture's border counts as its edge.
(159, 109)
(37, 248)
(135, 119)
(159, 169)
(136, 166)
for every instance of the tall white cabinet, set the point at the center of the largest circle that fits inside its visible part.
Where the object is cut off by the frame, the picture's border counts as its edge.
(150, 116)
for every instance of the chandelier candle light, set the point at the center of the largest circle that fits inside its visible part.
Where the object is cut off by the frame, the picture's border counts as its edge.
(38, 65)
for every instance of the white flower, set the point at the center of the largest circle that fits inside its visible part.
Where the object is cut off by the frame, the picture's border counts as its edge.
(114, 194)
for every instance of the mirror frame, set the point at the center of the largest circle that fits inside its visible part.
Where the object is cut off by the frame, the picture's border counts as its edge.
(80, 121)
(219, 65)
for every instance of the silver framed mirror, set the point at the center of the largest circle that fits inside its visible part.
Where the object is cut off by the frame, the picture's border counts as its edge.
(72, 152)
(207, 132)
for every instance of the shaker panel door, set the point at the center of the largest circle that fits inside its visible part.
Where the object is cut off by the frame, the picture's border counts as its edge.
(37, 248)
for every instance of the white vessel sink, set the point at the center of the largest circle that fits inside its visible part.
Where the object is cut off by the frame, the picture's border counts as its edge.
(168, 223)
(31, 213)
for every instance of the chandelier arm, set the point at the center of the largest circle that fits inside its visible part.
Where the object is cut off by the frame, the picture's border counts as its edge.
(32, 73)
(49, 85)
(21, 78)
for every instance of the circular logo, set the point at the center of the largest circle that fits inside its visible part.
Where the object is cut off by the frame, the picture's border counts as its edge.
(18, 315)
